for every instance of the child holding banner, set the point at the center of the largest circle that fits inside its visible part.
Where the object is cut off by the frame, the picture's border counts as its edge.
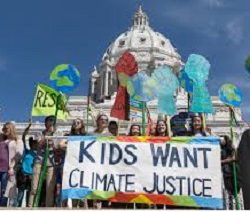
(77, 129)
(135, 130)
(113, 128)
(161, 128)
(101, 130)
(196, 126)
(102, 121)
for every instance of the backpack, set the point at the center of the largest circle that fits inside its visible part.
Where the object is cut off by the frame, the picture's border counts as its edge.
(28, 162)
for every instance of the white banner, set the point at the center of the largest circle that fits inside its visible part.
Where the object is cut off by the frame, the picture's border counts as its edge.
(189, 168)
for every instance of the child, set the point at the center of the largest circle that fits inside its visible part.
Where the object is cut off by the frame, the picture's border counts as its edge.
(25, 172)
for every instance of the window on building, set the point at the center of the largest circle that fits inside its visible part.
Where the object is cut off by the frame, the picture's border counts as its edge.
(103, 84)
(109, 78)
(142, 40)
(121, 43)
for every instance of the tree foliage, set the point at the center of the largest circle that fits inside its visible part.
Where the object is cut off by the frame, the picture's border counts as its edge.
(247, 63)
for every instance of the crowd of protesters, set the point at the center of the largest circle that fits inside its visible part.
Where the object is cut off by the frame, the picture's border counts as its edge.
(21, 164)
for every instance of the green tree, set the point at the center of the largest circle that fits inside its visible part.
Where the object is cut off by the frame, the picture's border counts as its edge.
(247, 63)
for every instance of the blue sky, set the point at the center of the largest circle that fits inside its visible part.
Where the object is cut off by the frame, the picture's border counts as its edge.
(35, 36)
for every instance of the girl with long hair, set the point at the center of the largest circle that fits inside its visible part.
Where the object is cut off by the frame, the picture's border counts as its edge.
(161, 128)
(197, 128)
(14, 155)
(102, 125)
(78, 127)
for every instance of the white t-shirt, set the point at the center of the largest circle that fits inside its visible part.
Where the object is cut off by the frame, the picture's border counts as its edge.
(105, 132)
(19, 150)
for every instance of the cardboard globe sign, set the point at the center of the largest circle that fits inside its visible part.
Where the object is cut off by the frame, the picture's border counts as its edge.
(230, 95)
(136, 87)
(65, 78)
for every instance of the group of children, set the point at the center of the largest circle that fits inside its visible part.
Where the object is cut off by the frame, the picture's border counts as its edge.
(21, 164)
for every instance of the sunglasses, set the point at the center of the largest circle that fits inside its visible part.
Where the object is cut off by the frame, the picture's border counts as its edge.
(103, 119)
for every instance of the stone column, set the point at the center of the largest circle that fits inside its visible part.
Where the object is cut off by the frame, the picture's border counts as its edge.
(106, 93)
(93, 80)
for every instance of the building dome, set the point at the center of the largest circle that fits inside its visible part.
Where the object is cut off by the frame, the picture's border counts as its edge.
(150, 48)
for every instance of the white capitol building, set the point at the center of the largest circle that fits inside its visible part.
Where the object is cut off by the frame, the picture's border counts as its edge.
(151, 49)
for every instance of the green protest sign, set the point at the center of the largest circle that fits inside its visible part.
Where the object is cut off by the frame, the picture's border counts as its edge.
(44, 103)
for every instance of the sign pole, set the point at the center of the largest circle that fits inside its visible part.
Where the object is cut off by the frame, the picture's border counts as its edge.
(232, 118)
(88, 103)
(143, 117)
(119, 125)
(44, 165)
(204, 121)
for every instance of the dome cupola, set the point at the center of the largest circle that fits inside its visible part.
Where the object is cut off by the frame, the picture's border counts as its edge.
(140, 18)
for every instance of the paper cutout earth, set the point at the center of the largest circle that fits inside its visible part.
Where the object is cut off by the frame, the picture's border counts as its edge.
(230, 95)
(65, 78)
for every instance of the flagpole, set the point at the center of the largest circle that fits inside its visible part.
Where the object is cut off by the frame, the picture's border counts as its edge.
(32, 108)
(119, 125)
(204, 121)
(149, 122)
(143, 118)
(44, 165)
(31, 120)
(232, 118)
(88, 103)
(188, 99)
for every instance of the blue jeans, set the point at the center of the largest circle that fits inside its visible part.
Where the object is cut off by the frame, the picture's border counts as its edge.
(22, 185)
(20, 195)
(3, 182)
